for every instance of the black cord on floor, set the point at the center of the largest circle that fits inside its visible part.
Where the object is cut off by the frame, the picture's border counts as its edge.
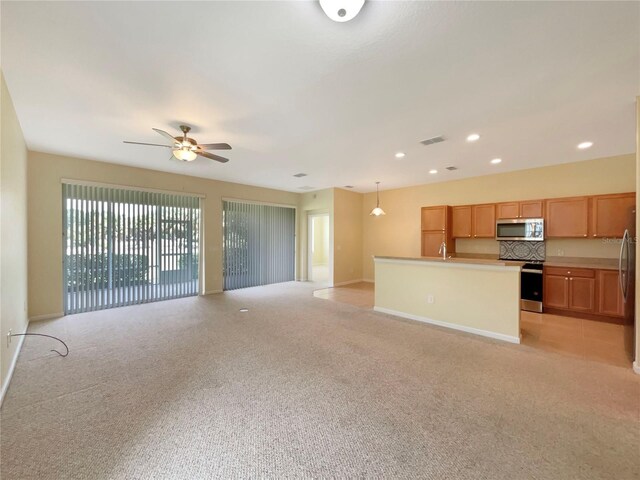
(43, 335)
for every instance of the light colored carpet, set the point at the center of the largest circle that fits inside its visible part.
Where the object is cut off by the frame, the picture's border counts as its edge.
(303, 387)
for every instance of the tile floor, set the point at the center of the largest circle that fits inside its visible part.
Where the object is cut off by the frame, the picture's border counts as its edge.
(588, 339)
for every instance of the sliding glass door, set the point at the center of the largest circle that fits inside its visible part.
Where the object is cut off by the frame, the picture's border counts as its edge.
(259, 244)
(123, 247)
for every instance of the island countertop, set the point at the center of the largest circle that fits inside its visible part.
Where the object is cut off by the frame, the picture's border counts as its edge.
(456, 260)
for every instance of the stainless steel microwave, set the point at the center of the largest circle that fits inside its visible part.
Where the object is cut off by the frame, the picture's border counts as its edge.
(529, 229)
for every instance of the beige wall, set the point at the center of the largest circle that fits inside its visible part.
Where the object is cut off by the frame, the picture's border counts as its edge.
(465, 296)
(45, 216)
(398, 232)
(13, 231)
(347, 236)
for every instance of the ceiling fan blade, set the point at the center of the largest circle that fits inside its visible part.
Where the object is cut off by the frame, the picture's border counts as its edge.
(165, 134)
(152, 144)
(214, 146)
(211, 156)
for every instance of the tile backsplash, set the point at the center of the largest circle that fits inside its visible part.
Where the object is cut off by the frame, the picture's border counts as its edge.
(521, 250)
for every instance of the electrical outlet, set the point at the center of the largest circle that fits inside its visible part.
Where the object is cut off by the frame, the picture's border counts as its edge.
(430, 299)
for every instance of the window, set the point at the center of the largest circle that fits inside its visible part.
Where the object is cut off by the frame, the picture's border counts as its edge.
(124, 247)
(259, 244)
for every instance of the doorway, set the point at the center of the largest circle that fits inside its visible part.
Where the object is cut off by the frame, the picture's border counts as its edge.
(319, 251)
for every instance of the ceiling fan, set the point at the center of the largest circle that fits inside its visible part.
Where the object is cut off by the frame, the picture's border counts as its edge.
(187, 149)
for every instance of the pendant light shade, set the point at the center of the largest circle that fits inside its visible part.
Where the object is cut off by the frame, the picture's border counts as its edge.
(377, 211)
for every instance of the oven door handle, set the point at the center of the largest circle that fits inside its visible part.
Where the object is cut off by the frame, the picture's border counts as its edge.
(528, 270)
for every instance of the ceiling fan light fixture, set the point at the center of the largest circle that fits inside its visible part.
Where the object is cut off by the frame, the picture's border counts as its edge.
(377, 211)
(185, 154)
(341, 10)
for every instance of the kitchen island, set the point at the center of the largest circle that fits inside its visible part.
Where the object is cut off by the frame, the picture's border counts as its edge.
(479, 296)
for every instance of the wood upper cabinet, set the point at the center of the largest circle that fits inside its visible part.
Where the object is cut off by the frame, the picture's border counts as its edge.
(531, 209)
(567, 217)
(483, 219)
(434, 218)
(436, 228)
(526, 209)
(461, 221)
(508, 210)
(608, 294)
(612, 214)
(431, 242)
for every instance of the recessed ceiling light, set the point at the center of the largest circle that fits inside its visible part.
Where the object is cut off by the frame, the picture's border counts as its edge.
(585, 145)
(496, 161)
(433, 171)
(473, 137)
(400, 155)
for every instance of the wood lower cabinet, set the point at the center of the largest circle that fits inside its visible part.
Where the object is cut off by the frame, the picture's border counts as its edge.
(461, 221)
(556, 291)
(595, 293)
(567, 217)
(612, 214)
(582, 294)
(483, 219)
(609, 296)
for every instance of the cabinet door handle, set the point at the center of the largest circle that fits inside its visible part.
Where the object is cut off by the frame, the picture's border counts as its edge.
(565, 279)
(585, 235)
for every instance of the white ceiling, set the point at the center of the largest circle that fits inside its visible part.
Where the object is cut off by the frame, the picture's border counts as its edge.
(293, 92)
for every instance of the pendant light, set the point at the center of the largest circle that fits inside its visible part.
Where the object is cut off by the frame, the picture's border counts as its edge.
(377, 211)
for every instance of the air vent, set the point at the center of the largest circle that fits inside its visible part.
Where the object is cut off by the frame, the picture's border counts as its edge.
(348, 186)
(306, 187)
(452, 168)
(430, 141)
(300, 175)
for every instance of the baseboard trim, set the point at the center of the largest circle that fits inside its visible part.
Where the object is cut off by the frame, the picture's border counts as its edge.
(47, 316)
(12, 367)
(453, 326)
(636, 367)
(211, 292)
(348, 282)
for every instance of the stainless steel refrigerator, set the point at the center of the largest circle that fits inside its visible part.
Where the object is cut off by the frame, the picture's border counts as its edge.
(627, 262)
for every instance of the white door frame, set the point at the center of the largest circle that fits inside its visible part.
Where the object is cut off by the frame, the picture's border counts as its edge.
(310, 217)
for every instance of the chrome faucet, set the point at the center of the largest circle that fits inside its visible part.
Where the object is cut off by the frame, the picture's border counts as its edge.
(443, 250)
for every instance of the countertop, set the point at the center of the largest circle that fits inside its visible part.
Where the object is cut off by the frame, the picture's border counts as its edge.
(489, 259)
(574, 262)
(466, 260)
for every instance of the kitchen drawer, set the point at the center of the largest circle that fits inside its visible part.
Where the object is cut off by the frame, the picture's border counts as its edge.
(570, 272)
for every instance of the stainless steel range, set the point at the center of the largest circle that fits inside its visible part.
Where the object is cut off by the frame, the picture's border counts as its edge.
(531, 287)
(532, 252)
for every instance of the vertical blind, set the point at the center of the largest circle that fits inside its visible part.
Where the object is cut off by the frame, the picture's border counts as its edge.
(259, 244)
(123, 247)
